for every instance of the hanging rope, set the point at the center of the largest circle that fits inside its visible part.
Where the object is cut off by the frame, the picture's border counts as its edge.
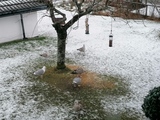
(111, 22)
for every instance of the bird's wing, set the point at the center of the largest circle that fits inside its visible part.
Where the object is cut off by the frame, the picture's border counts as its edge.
(80, 49)
(44, 55)
(39, 72)
(79, 70)
(77, 80)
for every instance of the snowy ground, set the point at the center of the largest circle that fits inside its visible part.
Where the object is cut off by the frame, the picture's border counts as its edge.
(135, 57)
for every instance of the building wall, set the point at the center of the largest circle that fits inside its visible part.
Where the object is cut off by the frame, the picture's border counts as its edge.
(30, 24)
(11, 28)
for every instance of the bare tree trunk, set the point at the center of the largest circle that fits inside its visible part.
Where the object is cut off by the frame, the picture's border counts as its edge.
(62, 35)
(61, 53)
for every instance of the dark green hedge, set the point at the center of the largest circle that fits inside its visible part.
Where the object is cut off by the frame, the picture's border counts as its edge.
(151, 105)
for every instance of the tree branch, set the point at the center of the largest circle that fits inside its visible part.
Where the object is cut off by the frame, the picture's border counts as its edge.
(89, 9)
(94, 6)
(53, 10)
(74, 19)
(79, 5)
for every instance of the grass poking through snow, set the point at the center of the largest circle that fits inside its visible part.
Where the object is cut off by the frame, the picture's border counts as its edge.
(94, 87)
(55, 89)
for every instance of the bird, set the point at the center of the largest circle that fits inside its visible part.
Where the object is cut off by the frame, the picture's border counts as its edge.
(77, 105)
(40, 72)
(78, 71)
(44, 55)
(76, 81)
(82, 49)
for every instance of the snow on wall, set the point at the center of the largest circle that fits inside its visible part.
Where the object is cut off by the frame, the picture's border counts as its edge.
(11, 28)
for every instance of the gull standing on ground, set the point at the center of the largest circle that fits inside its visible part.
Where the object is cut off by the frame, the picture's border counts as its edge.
(40, 72)
(82, 49)
(44, 55)
(78, 71)
(76, 81)
(77, 105)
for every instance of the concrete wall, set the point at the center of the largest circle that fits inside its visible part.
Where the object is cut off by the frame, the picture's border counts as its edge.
(11, 28)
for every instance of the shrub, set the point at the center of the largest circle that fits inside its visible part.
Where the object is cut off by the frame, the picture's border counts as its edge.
(151, 105)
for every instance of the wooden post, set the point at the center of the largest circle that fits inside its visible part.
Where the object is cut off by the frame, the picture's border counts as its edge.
(63, 3)
(71, 4)
(146, 8)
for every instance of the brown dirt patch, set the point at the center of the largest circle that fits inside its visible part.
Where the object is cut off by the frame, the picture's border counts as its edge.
(91, 79)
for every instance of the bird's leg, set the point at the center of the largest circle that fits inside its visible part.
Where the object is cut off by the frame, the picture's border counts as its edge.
(74, 85)
(84, 54)
(79, 75)
(41, 76)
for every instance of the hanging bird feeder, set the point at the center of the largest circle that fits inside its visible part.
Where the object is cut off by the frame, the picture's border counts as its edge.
(110, 40)
(111, 36)
(87, 25)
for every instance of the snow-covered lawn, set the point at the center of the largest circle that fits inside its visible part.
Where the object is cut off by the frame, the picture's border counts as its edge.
(135, 57)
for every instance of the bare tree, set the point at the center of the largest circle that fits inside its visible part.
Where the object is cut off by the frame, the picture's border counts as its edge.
(155, 6)
(83, 7)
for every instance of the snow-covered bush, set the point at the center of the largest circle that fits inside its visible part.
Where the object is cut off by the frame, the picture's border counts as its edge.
(151, 105)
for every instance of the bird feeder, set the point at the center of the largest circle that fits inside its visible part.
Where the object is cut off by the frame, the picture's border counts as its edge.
(87, 25)
(110, 40)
